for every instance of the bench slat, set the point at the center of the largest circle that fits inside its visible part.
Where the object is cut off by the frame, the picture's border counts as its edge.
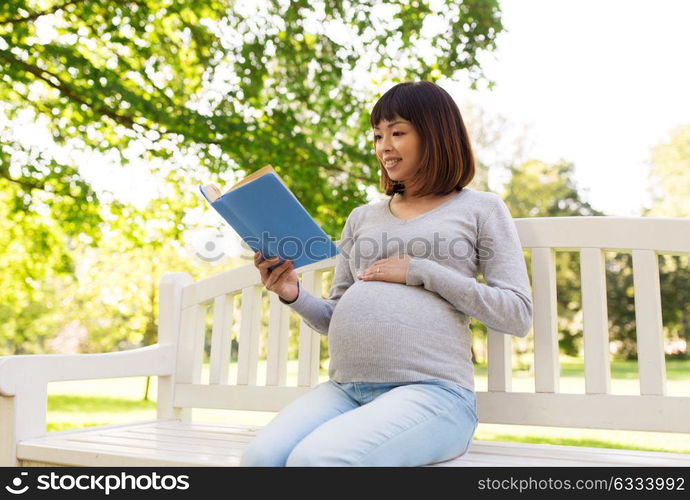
(546, 362)
(190, 351)
(233, 397)
(650, 338)
(500, 361)
(309, 340)
(191, 434)
(496, 460)
(169, 324)
(664, 234)
(206, 429)
(66, 452)
(250, 329)
(161, 443)
(223, 306)
(595, 320)
(589, 411)
(559, 455)
(207, 426)
(235, 280)
(278, 336)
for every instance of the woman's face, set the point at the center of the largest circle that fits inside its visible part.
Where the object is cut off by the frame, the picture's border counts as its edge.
(398, 139)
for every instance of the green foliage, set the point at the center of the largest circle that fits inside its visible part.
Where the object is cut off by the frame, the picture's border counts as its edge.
(670, 175)
(33, 252)
(238, 87)
(675, 297)
(538, 189)
(69, 403)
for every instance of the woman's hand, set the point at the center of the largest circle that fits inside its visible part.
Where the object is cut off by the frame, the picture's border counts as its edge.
(392, 269)
(282, 280)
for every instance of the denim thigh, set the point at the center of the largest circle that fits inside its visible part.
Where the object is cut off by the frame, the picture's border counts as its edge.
(274, 442)
(468, 396)
(412, 424)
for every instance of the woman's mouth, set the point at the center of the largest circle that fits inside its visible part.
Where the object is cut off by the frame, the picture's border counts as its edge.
(392, 163)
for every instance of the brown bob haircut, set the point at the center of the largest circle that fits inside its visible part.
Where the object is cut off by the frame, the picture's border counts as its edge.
(447, 161)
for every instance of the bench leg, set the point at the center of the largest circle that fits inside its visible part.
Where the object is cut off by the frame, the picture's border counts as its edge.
(22, 416)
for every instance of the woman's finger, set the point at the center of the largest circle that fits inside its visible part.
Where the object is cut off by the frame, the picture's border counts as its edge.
(258, 259)
(372, 272)
(274, 275)
(262, 266)
(278, 273)
(269, 262)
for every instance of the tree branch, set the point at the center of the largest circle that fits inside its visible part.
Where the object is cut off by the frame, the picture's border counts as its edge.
(54, 81)
(30, 186)
(36, 15)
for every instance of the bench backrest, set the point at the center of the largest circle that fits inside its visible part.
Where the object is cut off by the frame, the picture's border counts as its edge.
(185, 304)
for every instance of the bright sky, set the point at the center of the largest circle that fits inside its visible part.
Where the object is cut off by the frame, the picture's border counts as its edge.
(599, 81)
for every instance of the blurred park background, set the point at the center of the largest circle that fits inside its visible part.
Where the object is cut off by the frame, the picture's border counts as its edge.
(112, 112)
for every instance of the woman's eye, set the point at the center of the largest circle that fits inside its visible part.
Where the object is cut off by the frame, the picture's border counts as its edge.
(376, 137)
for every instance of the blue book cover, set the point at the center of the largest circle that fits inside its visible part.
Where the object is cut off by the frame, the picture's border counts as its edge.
(269, 218)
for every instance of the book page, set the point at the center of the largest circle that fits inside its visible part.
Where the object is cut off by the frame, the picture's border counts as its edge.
(211, 192)
(262, 171)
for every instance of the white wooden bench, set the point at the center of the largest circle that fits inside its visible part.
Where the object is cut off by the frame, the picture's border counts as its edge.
(174, 439)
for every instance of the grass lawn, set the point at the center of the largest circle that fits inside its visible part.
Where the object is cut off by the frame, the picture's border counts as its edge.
(86, 403)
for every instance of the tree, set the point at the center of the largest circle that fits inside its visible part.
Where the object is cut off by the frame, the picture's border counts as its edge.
(497, 147)
(34, 252)
(670, 176)
(538, 189)
(670, 184)
(240, 87)
(237, 87)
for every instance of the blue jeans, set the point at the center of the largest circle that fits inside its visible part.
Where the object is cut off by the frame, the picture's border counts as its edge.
(368, 424)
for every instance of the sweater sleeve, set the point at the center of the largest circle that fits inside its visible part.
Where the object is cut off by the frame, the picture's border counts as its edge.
(505, 304)
(317, 311)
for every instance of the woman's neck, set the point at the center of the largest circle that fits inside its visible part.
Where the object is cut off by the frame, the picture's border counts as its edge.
(406, 197)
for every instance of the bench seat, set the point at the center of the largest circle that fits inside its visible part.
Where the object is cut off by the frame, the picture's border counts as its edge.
(173, 443)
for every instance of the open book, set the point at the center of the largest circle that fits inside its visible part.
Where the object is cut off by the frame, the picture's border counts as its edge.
(269, 218)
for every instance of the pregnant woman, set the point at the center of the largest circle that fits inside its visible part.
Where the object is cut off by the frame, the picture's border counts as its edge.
(401, 381)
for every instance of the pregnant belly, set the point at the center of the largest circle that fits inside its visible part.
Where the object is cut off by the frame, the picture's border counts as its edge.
(381, 301)
(384, 331)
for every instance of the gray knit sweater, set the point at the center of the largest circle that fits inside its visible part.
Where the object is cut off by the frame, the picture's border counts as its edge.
(380, 331)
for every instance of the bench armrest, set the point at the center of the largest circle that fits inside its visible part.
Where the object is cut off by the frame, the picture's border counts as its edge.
(38, 370)
(24, 382)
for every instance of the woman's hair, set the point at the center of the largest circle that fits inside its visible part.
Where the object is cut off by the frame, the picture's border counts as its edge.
(447, 160)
